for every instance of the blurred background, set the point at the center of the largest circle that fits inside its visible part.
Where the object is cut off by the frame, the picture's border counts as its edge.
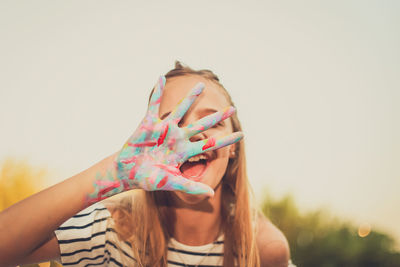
(316, 85)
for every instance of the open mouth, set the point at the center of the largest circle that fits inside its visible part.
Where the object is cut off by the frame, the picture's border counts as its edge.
(195, 167)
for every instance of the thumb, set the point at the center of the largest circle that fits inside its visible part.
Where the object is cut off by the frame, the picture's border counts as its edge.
(180, 183)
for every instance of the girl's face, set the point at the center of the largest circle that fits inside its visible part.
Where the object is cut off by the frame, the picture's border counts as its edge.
(209, 168)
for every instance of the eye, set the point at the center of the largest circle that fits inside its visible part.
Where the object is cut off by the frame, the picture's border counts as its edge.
(219, 124)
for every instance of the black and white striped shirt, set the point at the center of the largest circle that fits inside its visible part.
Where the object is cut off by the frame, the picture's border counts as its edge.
(89, 239)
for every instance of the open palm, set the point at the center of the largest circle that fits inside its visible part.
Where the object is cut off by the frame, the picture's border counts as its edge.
(151, 157)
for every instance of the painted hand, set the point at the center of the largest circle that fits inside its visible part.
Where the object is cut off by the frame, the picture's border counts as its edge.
(151, 157)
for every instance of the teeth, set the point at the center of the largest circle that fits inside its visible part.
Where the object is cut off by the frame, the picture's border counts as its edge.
(197, 158)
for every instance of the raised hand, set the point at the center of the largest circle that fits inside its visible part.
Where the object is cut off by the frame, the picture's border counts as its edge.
(151, 157)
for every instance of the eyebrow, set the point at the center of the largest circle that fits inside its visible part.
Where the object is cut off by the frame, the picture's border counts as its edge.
(203, 112)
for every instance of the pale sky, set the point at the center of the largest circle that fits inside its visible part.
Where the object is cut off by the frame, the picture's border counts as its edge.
(316, 85)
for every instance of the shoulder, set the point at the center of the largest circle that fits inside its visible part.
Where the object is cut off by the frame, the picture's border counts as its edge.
(272, 244)
(84, 236)
(87, 219)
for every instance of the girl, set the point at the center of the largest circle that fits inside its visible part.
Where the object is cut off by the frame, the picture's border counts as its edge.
(195, 209)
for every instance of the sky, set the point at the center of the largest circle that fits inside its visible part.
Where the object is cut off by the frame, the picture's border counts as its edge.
(316, 85)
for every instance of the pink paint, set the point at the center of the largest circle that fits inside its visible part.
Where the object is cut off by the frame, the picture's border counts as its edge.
(110, 187)
(126, 184)
(198, 128)
(147, 127)
(162, 182)
(171, 143)
(210, 143)
(132, 173)
(227, 112)
(163, 135)
(171, 169)
(91, 201)
(142, 144)
(130, 160)
(108, 183)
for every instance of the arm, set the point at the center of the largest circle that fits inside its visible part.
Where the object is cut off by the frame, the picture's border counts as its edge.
(30, 224)
(149, 160)
(272, 245)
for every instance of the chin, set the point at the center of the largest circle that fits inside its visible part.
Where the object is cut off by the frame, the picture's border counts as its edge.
(191, 199)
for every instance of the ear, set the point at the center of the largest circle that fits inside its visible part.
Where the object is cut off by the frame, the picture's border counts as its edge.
(232, 151)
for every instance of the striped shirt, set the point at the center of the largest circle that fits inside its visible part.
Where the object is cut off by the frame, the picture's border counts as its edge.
(89, 239)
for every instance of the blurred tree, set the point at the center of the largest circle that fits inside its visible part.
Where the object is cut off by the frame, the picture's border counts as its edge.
(318, 239)
(19, 180)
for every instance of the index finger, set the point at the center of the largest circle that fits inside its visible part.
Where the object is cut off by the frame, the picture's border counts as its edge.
(184, 104)
(209, 121)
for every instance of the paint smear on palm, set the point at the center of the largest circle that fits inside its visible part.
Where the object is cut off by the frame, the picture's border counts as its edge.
(150, 159)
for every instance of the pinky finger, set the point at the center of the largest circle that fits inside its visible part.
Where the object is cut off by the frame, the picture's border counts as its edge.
(213, 143)
(180, 183)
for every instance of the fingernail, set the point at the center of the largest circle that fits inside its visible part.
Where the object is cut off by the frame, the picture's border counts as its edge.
(162, 81)
(228, 112)
(211, 193)
(198, 88)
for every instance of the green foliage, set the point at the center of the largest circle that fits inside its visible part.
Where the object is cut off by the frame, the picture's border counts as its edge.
(318, 239)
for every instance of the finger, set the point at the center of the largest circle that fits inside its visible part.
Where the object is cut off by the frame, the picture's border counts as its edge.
(171, 182)
(213, 143)
(185, 104)
(209, 121)
(155, 99)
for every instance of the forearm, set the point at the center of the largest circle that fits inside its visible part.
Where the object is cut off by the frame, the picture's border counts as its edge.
(27, 224)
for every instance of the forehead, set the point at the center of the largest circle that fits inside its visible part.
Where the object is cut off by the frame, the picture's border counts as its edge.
(177, 88)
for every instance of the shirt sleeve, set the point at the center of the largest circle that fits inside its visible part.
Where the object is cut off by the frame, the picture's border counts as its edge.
(82, 238)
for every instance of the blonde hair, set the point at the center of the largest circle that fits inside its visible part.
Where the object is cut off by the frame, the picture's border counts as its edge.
(143, 219)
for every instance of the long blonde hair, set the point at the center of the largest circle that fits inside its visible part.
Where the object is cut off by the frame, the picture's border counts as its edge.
(143, 219)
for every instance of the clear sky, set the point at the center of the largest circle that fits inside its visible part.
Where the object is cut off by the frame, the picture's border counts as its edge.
(316, 84)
